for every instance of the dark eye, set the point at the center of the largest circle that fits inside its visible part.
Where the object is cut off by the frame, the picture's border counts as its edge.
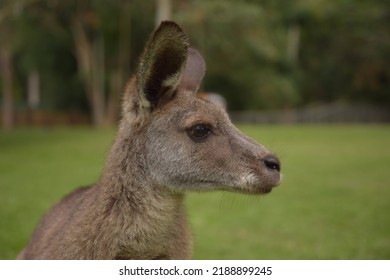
(199, 132)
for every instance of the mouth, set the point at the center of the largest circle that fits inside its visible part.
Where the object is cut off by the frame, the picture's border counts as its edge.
(253, 184)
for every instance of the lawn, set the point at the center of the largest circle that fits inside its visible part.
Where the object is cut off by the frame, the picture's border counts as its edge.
(333, 203)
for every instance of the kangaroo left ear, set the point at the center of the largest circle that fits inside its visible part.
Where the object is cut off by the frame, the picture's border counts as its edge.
(162, 64)
(159, 73)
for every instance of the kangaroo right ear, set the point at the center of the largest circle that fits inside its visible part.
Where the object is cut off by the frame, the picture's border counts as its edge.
(194, 72)
(160, 70)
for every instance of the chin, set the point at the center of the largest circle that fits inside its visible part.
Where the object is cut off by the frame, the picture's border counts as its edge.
(261, 190)
(252, 184)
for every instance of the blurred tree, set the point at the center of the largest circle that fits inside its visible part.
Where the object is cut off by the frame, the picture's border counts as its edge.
(96, 34)
(6, 67)
(261, 54)
(6, 75)
(277, 54)
(345, 46)
(120, 59)
(244, 46)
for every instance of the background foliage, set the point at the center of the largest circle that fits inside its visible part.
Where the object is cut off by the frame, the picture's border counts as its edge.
(261, 54)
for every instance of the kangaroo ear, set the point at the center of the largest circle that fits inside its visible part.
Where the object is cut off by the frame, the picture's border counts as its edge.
(194, 71)
(162, 65)
(159, 73)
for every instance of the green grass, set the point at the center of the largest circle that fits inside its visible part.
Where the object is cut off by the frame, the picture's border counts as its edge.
(333, 203)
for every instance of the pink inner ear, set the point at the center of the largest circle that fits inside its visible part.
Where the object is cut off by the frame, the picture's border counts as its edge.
(194, 71)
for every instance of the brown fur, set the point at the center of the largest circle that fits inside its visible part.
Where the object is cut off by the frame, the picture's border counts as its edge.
(136, 210)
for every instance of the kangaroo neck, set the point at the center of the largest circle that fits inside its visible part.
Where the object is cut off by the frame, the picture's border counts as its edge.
(125, 181)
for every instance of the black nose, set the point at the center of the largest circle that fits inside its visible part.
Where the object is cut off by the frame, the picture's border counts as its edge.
(272, 162)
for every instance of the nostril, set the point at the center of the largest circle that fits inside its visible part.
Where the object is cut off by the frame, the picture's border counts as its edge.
(272, 162)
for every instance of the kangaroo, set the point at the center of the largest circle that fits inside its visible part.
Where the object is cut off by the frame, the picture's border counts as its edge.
(168, 142)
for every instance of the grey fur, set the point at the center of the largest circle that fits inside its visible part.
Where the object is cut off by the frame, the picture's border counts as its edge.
(136, 209)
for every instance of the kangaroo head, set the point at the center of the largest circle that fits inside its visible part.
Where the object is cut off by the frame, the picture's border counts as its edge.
(187, 143)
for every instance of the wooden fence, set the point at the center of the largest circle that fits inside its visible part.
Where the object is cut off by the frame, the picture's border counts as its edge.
(331, 113)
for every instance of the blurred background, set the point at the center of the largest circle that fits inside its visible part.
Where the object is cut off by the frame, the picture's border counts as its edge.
(310, 79)
(68, 61)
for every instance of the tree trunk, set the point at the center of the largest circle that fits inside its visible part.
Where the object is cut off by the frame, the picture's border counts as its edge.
(122, 72)
(33, 90)
(294, 34)
(90, 59)
(6, 76)
(163, 11)
(98, 98)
